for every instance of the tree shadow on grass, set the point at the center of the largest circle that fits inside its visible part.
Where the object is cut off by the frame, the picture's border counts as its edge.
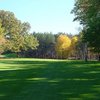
(50, 80)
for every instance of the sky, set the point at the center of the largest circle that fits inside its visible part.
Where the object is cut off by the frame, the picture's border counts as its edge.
(44, 15)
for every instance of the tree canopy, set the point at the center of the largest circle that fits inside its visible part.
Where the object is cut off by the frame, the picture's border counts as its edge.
(63, 46)
(15, 32)
(88, 13)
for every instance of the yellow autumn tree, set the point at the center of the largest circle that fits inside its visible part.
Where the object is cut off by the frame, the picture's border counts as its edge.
(63, 46)
(74, 41)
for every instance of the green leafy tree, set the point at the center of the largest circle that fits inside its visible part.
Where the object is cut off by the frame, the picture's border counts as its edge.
(46, 45)
(15, 43)
(16, 33)
(30, 42)
(88, 13)
(2, 39)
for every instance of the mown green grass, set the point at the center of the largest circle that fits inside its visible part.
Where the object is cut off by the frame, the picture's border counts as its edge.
(41, 79)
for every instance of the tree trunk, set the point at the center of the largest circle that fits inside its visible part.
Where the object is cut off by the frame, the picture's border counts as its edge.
(85, 52)
(86, 58)
(17, 54)
(99, 57)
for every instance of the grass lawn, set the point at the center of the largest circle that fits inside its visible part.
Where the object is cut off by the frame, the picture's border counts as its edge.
(38, 79)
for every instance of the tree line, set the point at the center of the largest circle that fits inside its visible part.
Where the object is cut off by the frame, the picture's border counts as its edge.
(15, 37)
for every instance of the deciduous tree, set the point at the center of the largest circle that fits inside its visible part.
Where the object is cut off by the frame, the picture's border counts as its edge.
(63, 46)
(88, 13)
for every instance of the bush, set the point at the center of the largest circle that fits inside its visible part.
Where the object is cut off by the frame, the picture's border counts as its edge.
(11, 55)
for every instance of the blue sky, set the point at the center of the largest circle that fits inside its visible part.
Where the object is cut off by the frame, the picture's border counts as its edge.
(44, 15)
